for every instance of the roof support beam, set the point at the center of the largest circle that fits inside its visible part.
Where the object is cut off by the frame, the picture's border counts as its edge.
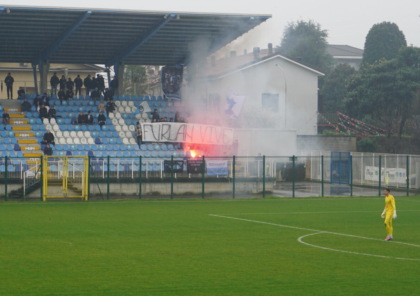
(63, 37)
(139, 42)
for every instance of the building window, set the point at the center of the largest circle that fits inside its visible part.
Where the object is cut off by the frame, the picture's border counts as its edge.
(270, 102)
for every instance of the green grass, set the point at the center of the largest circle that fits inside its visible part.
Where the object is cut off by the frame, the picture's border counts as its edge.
(177, 248)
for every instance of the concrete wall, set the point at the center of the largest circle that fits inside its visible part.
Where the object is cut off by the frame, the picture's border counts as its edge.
(269, 142)
(325, 143)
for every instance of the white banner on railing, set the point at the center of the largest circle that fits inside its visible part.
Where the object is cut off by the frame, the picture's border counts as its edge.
(217, 167)
(186, 133)
(388, 175)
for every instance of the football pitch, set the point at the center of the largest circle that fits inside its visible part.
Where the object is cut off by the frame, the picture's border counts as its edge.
(273, 246)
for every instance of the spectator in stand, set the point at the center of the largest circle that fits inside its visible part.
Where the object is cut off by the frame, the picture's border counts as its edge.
(69, 94)
(110, 107)
(101, 106)
(95, 94)
(6, 117)
(101, 119)
(113, 85)
(81, 119)
(61, 96)
(70, 84)
(54, 81)
(9, 85)
(63, 82)
(108, 94)
(52, 113)
(88, 84)
(78, 83)
(21, 93)
(43, 112)
(37, 101)
(48, 138)
(155, 116)
(89, 118)
(100, 83)
(94, 83)
(25, 106)
(138, 133)
(48, 150)
(45, 99)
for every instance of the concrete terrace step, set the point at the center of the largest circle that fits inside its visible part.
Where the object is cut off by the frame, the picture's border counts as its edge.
(28, 141)
(32, 154)
(29, 134)
(21, 127)
(30, 147)
(18, 120)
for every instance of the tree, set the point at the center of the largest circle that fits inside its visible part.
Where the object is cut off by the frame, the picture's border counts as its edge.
(385, 92)
(306, 43)
(135, 80)
(334, 89)
(383, 41)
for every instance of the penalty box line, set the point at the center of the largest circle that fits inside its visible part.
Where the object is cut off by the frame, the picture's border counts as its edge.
(318, 231)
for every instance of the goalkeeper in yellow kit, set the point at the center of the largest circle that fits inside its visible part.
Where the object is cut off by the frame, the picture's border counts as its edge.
(389, 213)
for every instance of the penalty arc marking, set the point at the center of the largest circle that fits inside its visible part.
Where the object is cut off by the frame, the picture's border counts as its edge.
(317, 231)
(300, 239)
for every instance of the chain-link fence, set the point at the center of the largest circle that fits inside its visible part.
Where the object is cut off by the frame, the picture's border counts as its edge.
(321, 174)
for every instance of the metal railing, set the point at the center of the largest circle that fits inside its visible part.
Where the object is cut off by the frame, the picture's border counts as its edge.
(321, 174)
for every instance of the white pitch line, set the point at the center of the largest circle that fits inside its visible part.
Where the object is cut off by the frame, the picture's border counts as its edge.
(300, 239)
(309, 229)
(329, 212)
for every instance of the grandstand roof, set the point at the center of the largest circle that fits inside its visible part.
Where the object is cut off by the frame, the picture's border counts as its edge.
(94, 36)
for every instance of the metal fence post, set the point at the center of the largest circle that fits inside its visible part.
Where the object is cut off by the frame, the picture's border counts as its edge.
(140, 178)
(351, 174)
(203, 170)
(263, 166)
(380, 176)
(6, 195)
(172, 176)
(322, 176)
(293, 175)
(233, 176)
(407, 175)
(41, 189)
(107, 177)
(88, 179)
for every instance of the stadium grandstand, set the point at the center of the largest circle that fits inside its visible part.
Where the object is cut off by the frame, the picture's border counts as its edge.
(41, 36)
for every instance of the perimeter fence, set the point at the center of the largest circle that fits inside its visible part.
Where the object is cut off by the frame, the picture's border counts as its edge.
(314, 175)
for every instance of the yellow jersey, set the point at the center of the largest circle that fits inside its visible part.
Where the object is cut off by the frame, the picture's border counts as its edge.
(390, 203)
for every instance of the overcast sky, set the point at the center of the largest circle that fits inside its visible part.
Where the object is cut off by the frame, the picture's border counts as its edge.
(347, 22)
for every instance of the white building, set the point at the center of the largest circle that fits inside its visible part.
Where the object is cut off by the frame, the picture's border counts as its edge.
(270, 92)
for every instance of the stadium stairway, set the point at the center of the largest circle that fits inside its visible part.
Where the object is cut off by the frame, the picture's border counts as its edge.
(22, 130)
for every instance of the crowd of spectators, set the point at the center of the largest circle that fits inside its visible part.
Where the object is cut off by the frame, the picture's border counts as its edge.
(66, 89)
